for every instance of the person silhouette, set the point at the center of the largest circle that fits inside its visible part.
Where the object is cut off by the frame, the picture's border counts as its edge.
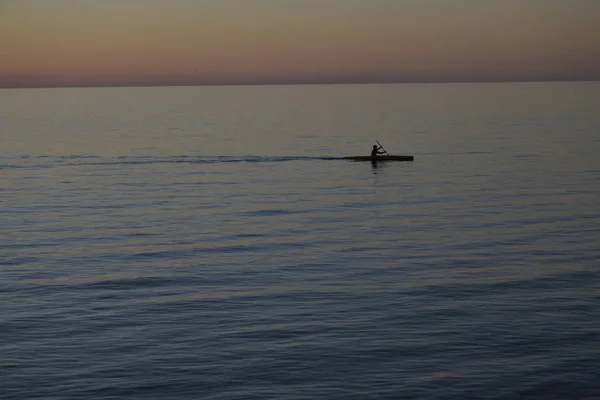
(376, 151)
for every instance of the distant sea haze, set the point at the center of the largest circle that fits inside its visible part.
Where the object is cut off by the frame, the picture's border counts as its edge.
(211, 242)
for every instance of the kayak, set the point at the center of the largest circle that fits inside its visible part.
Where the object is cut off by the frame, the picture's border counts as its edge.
(380, 158)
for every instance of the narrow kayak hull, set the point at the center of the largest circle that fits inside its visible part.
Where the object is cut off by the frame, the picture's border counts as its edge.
(380, 158)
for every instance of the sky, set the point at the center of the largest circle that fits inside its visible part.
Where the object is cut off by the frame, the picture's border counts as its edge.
(48, 43)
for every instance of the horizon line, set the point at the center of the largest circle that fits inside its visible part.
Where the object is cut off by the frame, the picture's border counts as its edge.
(298, 83)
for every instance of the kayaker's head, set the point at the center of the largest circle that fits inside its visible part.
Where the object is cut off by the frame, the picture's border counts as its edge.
(374, 146)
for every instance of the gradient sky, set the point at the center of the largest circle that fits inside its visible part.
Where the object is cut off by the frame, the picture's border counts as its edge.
(162, 42)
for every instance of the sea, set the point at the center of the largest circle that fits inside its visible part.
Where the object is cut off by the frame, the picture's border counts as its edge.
(212, 242)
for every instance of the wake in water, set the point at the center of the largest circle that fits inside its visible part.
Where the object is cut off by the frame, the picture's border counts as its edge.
(49, 161)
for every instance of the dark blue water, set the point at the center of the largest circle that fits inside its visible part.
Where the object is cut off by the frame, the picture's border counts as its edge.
(182, 243)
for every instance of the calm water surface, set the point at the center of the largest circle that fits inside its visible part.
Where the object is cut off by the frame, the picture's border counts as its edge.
(209, 242)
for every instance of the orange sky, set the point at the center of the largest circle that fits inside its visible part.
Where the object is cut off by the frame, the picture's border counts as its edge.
(145, 42)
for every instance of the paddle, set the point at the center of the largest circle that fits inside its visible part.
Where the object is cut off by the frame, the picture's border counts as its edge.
(382, 147)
